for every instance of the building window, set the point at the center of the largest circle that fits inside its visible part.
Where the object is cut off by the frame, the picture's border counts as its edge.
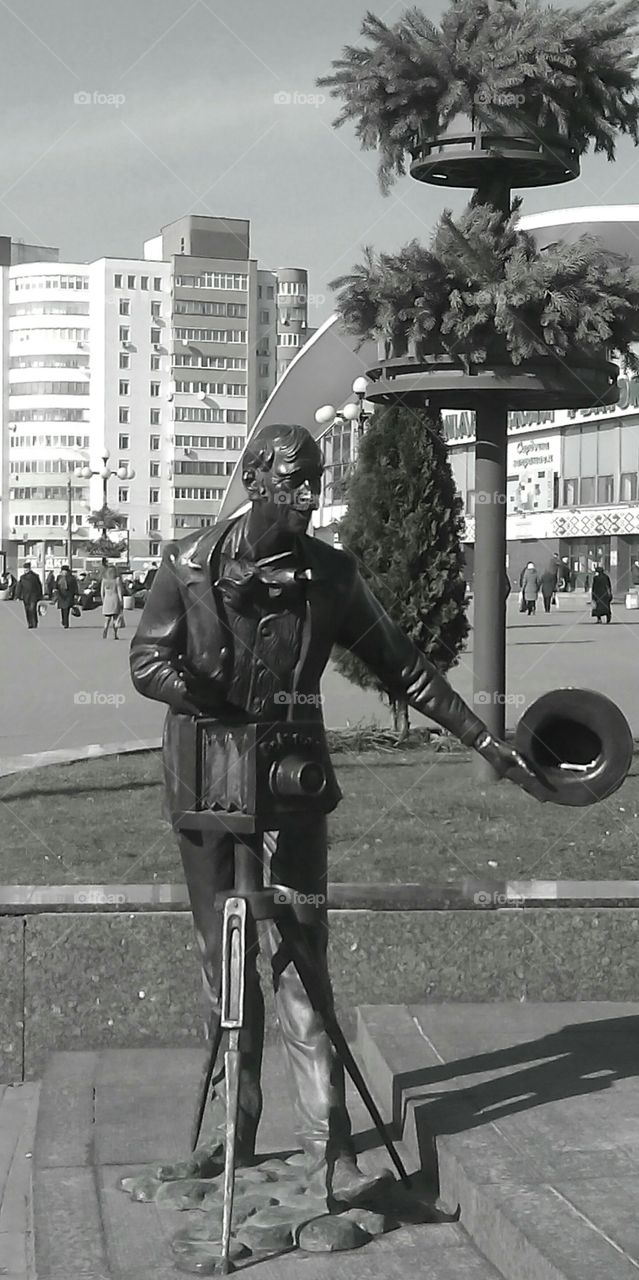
(154, 470)
(156, 336)
(125, 307)
(124, 414)
(123, 495)
(124, 440)
(125, 360)
(157, 283)
(125, 333)
(154, 524)
(234, 442)
(571, 493)
(628, 486)
(263, 397)
(236, 415)
(265, 317)
(264, 370)
(144, 282)
(605, 490)
(155, 363)
(154, 442)
(125, 386)
(117, 282)
(155, 388)
(154, 417)
(154, 548)
(587, 491)
(270, 291)
(130, 282)
(154, 495)
(155, 310)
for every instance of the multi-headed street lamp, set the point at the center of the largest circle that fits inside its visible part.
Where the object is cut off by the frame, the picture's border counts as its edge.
(360, 412)
(125, 472)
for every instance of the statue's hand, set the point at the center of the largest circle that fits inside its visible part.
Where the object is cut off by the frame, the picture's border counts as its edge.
(509, 763)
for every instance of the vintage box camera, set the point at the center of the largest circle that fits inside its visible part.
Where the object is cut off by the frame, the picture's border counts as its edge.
(244, 777)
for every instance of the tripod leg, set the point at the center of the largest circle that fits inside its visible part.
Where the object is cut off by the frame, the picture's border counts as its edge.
(205, 1083)
(302, 956)
(232, 1019)
(232, 1070)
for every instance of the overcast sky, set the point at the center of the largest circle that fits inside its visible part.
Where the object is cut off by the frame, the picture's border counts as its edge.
(199, 130)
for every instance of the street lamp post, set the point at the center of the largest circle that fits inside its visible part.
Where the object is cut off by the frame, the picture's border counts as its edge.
(361, 412)
(105, 472)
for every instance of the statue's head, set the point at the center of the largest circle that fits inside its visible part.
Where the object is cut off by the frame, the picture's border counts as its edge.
(282, 469)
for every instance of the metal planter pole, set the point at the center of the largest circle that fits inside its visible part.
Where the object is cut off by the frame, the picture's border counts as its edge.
(489, 627)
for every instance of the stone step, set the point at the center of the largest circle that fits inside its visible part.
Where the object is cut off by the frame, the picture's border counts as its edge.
(106, 1115)
(527, 1117)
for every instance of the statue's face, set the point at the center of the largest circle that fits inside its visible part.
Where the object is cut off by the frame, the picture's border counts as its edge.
(293, 489)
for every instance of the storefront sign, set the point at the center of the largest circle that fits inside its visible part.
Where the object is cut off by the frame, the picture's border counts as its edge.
(460, 426)
(532, 465)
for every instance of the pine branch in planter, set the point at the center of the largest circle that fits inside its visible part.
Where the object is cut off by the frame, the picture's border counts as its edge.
(485, 287)
(572, 72)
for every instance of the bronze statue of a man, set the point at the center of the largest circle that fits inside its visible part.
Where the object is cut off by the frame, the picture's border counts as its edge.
(241, 619)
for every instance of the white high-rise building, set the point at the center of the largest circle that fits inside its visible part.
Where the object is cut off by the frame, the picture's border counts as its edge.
(162, 363)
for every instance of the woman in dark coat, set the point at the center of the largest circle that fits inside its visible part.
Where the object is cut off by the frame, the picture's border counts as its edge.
(66, 591)
(529, 583)
(601, 594)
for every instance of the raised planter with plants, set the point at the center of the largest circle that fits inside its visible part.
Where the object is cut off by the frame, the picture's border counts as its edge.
(502, 94)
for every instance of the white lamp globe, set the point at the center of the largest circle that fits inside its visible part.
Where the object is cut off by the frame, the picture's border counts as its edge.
(104, 473)
(105, 455)
(360, 386)
(122, 473)
(325, 414)
(350, 412)
(84, 473)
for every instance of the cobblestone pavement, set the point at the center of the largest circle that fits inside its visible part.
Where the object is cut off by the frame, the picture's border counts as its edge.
(65, 689)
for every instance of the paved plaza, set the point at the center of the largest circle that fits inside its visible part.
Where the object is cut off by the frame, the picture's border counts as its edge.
(66, 689)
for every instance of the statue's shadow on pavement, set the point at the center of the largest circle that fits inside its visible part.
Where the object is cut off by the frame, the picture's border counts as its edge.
(579, 1059)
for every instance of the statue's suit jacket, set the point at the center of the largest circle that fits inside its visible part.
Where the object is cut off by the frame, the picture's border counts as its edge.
(183, 626)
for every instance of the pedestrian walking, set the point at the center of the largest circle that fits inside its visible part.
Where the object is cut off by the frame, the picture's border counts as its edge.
(601, 595)
(50, 584)
(635, 573)
(529, 583)
(112, 595)
(66, 593)
(29, 591)
(549, 584)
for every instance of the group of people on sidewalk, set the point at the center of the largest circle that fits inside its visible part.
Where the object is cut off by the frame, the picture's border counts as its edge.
(532, 583)
(65, 592)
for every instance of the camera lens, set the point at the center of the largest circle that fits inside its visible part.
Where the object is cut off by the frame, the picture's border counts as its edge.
(297, 776)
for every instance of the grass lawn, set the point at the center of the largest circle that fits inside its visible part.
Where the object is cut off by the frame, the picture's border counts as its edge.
(405, 816)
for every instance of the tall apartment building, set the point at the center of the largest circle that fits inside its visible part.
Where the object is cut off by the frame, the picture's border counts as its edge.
(162, 362)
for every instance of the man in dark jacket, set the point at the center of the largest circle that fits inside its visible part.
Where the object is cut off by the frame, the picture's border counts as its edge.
(549, 584)
(29, 591)
(242, 617)
(66, 591)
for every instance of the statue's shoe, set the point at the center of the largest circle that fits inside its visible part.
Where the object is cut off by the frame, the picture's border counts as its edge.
(346, 1183)
(206, 1162)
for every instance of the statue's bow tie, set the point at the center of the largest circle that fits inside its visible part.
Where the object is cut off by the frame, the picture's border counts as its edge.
(245, 583)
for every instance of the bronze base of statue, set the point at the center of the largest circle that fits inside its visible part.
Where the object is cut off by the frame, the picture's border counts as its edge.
(277, 1206)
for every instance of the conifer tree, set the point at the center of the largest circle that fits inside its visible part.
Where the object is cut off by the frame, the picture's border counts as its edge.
(404, 525)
